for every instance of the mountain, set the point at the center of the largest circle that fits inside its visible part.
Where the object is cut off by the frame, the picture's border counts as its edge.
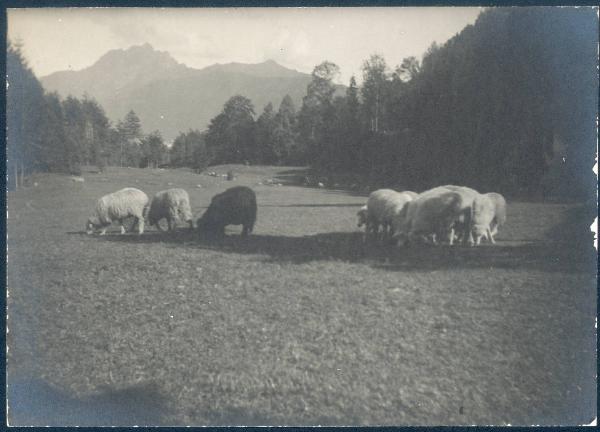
(170, 96)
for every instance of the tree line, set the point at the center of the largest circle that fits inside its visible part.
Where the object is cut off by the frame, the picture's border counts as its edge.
(509, 104)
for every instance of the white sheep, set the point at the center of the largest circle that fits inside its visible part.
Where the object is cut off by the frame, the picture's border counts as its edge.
(117, 206)
(396, 211)
(412, 194)
(363, 216)
(499, 213)
(384, 209)
(431, 214)
(463, 226)
(483, 214)
(170, 204)
(363, 220)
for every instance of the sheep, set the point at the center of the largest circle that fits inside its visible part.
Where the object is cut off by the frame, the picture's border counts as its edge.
(499, 213)
(170, 204)
(235, 206)
(363, 219)
(463, 224)
(432, 213)
(396, 211)
(117, 206)
(377, 206)
(363, 215)
(483, 212)
(384, 207)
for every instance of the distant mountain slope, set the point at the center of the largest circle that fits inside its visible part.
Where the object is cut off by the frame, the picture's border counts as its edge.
(170, 96)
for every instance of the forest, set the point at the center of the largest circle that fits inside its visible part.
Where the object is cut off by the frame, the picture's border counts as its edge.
(508, 104)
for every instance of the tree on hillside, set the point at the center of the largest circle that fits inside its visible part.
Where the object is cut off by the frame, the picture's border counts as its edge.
(130, 139)
(154, 150)
(408, 70)
(265, 141)
(55, 152)
(317, 110)
(351, 129)
(131, 126)
(74, 119)
(230, 137)
(189, 150)
(375, 77)
(284, 135)
(96, 131)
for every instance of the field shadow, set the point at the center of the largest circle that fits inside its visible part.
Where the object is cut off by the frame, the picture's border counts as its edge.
(33, 402)
(349, 247)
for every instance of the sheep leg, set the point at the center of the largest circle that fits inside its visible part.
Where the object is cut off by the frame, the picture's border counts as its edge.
(494, 229)
(469, 239)
(451, 237)
(491, 236)
(245, 230)
(170, 224)
(123, 230)
(140, 222)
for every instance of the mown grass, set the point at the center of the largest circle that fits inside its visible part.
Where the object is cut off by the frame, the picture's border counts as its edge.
(299, 324)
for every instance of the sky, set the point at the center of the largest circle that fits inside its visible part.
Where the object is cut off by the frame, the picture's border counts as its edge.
(298, 38)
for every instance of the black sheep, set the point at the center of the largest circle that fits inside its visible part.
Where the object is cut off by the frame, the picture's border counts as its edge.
(235, 206)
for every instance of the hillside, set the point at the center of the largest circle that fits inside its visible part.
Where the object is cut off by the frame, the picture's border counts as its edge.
(170, 96)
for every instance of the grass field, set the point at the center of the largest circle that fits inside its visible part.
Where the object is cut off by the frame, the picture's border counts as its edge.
(300, 323)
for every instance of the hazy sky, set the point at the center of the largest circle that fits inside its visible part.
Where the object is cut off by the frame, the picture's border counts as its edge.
(299, 38)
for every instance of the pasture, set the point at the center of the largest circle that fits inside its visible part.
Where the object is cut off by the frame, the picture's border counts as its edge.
(300, 323)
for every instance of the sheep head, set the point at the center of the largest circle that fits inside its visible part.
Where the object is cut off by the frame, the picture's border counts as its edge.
(92, 224)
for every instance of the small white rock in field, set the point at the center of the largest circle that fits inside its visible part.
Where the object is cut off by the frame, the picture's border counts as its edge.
(321, 185)
(78, 179)
(199, 186)
(35, 184)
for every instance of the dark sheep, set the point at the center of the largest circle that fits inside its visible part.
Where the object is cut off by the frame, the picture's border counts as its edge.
(235, 206)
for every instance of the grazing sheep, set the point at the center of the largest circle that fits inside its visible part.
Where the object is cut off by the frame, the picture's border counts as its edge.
(363, 219)
(463, 225)
(117, 206)
(363, 215)
(170, 204)
(499, 213)
(396, 211)
(235, 206)
(384, 209)
(483, 213)
(433, 213)
(377, 206)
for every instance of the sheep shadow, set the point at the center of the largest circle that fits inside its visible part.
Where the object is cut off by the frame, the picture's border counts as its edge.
(349, 247)
(34, 402)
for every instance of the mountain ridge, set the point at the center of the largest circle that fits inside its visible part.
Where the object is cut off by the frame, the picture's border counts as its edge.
(170, 96)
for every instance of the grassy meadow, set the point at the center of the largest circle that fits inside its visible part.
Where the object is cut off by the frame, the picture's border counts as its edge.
(298, 324)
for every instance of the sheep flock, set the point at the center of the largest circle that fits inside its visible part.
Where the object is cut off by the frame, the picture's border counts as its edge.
(445, 214)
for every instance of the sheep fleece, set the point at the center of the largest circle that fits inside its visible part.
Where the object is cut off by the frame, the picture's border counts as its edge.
(169, 204)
